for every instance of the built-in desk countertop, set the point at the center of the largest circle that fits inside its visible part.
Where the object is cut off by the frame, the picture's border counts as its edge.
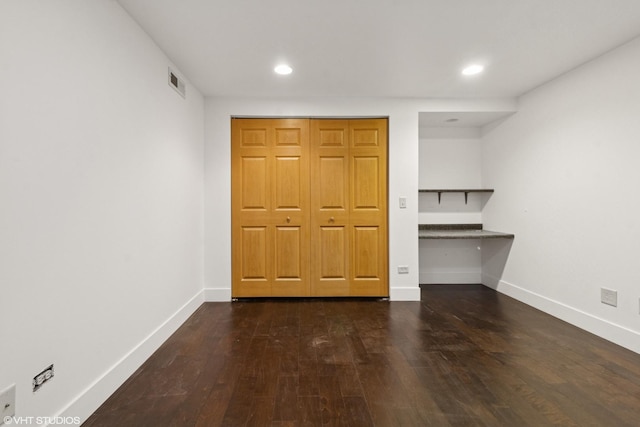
(459, 231)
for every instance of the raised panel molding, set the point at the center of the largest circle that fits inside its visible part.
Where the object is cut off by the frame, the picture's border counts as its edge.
(254, 138)
(288, 195)
(287, 253)
(254, 183)
(365, 188)
(366, 252)
(254, 253)
(333, 252)
(288, 137)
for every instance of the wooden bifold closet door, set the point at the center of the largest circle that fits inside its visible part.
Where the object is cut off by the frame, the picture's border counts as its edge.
(309, 207)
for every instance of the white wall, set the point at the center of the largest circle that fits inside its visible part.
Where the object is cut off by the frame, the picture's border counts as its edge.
(403, 173)
(450, 158)
(403, 180)
(565, 170)
(101, 187)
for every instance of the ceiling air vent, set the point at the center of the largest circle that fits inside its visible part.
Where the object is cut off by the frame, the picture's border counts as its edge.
(177, 83)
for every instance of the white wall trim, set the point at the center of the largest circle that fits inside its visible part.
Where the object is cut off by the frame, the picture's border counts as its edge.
(95, 395)
(615, 333)
(404, 294)
(217, 294)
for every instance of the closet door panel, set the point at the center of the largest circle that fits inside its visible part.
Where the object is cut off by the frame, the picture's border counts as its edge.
(309, 207)
(368, 213)
(348, 199)
(330, 207)
(270, 192)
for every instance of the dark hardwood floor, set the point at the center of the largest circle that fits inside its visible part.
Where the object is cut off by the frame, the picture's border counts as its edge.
(464, 356)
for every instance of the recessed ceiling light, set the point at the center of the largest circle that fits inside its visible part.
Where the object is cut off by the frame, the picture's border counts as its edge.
(473, 69)
(283, 69)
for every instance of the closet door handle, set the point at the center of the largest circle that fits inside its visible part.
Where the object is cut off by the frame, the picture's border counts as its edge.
(288, 219)
(332, 219)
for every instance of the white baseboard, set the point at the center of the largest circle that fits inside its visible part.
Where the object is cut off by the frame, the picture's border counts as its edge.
(615, 333)
(217, 294)
(404, 294)
(93, 396)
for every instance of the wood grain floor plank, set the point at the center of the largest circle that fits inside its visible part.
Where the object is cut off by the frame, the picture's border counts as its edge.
(463, 356)
(331, 403)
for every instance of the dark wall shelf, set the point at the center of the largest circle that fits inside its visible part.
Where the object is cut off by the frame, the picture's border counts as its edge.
(465, 191)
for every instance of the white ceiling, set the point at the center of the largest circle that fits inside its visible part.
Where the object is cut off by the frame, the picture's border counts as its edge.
(401, 48)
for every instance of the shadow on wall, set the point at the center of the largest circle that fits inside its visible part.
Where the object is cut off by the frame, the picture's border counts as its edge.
(494, 259)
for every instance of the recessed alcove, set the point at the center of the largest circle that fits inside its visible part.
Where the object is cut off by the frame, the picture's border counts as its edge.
(452, 195)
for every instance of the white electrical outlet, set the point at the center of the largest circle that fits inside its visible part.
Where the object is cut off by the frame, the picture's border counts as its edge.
(609, 297)
(403, 269)
(7, 403)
